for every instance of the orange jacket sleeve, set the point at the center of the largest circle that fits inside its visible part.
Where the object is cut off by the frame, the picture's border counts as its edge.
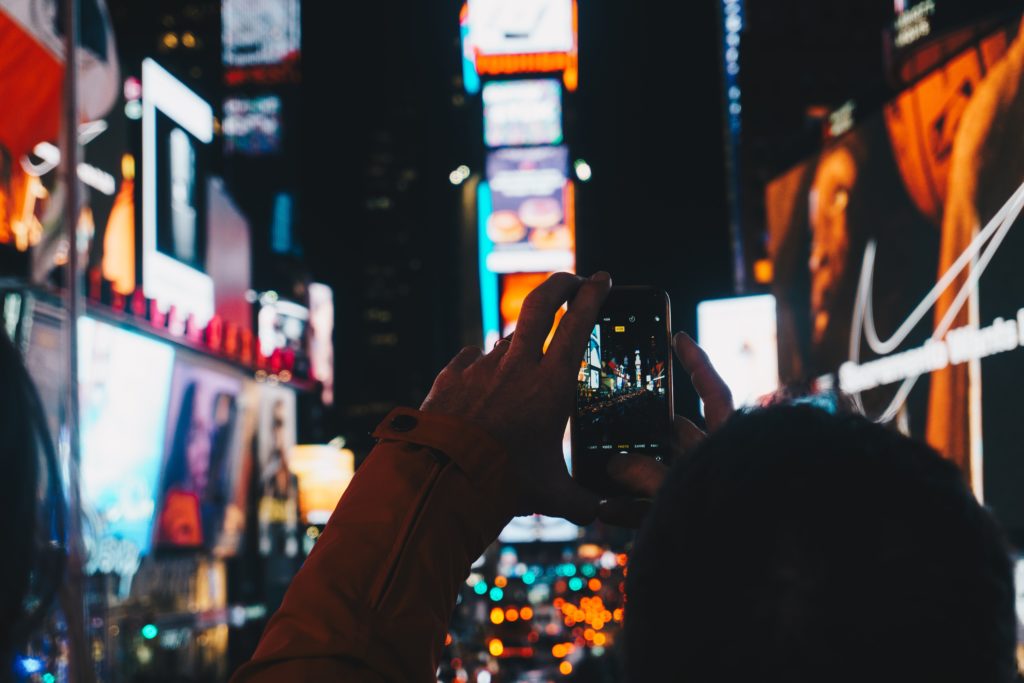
(373, 600)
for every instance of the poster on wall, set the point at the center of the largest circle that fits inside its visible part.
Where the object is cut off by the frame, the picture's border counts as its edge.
(896, 255)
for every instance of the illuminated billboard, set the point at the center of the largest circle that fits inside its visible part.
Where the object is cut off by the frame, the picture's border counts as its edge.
(529, 225)
(124, 387)
(323, 473)
(524, 27)
(525, 112)
(177, 127)
(739, 335)
(896, 256)
(260, 32)
(252, 125)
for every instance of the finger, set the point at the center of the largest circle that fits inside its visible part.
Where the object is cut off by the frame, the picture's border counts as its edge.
(639, 474)
(464, 358)
(624, 512)
(685, 436)
(572, 502)
(538, 314)
(709, 385)
(493, 358)
(570, 342)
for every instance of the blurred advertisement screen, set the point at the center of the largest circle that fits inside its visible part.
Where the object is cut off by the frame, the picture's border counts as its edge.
(896, 255)
(260, 32)
(202, 447)
(324, 473)
(531, 224)
(739, 337)
(523, 27)
(252, 125)
(124, 387)
(522, 113)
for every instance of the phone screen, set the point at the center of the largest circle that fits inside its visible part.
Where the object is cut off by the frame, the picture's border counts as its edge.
(624, 390)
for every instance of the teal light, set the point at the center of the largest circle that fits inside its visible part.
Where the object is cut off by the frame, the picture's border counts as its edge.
(480, 588)
(529, 578)
(575, 583)
(497, 594)
(49, 678)
(588, 570)
(569, 570)
(149, 631)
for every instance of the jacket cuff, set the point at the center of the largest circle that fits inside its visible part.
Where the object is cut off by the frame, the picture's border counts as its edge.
(472, 449)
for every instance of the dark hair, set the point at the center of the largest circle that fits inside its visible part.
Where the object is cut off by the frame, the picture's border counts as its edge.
(33, 511)
(800, 546)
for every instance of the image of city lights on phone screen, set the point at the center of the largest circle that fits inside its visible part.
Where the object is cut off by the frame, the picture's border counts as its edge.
(623, 385)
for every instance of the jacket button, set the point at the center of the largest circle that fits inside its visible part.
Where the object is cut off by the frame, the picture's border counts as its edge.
(403, 423)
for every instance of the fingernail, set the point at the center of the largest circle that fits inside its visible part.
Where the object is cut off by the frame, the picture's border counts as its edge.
(601, 276)
(681, 337)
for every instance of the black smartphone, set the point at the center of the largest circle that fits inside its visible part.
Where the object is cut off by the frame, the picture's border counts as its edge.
(624, 388)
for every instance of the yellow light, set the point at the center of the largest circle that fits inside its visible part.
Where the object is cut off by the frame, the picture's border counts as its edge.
(188, 39)
(763, 271)
(622, 558)
(558, 603)
(565, 668)
(589, 634)
(606, 615)
(558, 650)
(600, 639)
(617, 614)
(526, 613)
(594, 584)
(501, 582)
(497, 615)
(448, 639)
(171, 40)
(495, 647)
(512, 614)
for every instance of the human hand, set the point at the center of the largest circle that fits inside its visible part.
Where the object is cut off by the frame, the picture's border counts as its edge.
(523, 396)
(644, 476)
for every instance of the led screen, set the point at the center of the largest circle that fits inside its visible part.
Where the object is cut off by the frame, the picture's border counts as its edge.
(896, 256)
(530, 225)
(124, 387)
(323, 473)
(522, 113)
(260, 32)
(524, 27)
(739, 336)
(201, 447)
(252, 125)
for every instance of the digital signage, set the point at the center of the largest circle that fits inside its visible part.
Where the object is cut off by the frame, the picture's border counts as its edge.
(523, 27)
(124, 387)
(252, 125)
(739, 336)
(530, 224)
(260, 32)
(896, 258)
(527, 112)
(177, 128)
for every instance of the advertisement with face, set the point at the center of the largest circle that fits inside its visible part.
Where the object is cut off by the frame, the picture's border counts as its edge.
(202, 448)
(124, 387)
(896, 256)
(278, 492)
(260, 32)
(531, 224)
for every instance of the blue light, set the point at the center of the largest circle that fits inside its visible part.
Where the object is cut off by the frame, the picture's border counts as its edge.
(497, 594)
(149, 631)
(30, 665)
(575, 583)
(480, 588)
(588, 570)
(489, 297)
(49, 678)
(529, 578)
(569, 570)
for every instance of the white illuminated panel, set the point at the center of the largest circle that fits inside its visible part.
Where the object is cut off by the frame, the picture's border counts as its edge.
(739, 336)
(164, 279)
(500, 27)
(522, 113)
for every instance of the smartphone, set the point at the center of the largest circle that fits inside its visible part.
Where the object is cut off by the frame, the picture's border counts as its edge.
(624, 388)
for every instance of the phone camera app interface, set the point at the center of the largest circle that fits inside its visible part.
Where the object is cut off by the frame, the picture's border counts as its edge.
(622, 390)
